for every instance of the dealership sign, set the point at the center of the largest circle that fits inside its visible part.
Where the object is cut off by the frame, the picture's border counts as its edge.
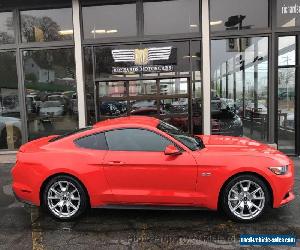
(139, 69)
(144, 60)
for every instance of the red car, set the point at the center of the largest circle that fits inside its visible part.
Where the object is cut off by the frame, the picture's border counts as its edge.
(144, 162)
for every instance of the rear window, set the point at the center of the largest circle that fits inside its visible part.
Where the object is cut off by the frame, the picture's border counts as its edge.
(70, 133)
(95, 141)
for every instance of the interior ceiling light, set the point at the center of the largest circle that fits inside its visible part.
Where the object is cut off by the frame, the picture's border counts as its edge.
(65, 32)
(111, 31)
(98, 31)
(212, 23)
(193, 25)
(104, 31)
(128, 55)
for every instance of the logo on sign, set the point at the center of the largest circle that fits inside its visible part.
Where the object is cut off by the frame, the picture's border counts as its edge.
(142, 59)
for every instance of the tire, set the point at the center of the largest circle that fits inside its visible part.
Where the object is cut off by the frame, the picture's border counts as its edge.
(245, 206)
(64, 198)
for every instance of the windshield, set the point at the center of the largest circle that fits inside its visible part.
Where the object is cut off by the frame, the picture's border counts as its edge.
(192, 142)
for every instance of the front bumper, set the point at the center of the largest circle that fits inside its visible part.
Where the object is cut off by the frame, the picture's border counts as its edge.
(290, 196)
(283, 186)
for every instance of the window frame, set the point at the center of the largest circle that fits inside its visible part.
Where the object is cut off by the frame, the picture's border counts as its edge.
(149, 130)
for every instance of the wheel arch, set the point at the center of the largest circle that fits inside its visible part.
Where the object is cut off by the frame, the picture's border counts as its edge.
(262, 178)
(45, 182)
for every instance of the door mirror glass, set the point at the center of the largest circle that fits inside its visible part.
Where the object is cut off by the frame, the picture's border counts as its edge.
(172, 150)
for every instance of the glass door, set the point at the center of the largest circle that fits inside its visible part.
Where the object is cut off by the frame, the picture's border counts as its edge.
(166, 98)
(287, 94)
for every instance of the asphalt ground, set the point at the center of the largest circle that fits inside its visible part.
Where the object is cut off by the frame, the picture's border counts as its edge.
(26, 227)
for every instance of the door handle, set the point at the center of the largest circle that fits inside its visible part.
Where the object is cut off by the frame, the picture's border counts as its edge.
(116, 163)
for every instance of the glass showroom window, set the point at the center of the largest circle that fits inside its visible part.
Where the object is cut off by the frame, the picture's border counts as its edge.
(110, 20)
(286, 93)
(51, 100)
(7, 34)
(46, 25)
(171, 17)
(240, 87)
(288, 13)
(10, 121)
(238, 14)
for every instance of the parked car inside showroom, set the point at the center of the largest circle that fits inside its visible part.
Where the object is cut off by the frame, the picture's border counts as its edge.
(142, 162)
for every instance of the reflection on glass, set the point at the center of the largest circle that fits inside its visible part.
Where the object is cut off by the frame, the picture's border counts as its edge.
(287, 50)
(47, 25)
(174, 106)
(176, 16)
(142, 87)
(144, 107)
(112, 89)
(7, 34)
(10, 122)
(160, 59)
(173, 86)
(196, 87)
(51, 99)
(288, 13)
(112, 108)
(286, 109)
(89, 86)
(109, 20)
(240, 93)
(238, 14)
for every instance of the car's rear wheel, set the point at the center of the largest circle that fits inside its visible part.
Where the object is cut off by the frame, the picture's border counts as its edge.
(245, 198)
(64, 197)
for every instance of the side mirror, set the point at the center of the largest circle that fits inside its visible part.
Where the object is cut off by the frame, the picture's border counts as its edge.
(172, 150)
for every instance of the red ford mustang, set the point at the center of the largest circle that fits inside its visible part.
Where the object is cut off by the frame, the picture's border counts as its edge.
(144, 162)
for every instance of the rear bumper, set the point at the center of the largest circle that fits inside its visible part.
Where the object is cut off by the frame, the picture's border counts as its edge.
(25, 185)
(24, 194)
(23, 201)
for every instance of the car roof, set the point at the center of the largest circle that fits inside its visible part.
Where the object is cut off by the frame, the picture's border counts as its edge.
(129, 120)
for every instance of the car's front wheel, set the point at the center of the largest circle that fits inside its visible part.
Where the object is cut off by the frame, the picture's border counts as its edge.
(64, 197)
(245, 198)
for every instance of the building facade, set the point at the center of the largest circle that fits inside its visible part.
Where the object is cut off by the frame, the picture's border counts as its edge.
(227, 67)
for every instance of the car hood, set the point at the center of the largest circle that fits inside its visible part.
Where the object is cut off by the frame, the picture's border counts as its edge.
(229, 147)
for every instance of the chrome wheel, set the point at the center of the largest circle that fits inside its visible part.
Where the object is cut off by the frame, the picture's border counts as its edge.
(246, 199)
(63, 199)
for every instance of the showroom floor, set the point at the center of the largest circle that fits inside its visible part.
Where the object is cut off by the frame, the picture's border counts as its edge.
(24, 227)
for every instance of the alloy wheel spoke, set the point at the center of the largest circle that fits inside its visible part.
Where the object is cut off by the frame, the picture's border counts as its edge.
(248, 186)
(54, 191)
(54, 197)
(255, 191)
(258, 198)
(257, 207)
(73, 206)
(237, 206)
(73, 198)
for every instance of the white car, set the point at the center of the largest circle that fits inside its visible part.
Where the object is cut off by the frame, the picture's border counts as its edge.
(51, 108)
(15, 123)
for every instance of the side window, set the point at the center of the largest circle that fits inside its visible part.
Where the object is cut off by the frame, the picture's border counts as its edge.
(136, 140)
(95, 141)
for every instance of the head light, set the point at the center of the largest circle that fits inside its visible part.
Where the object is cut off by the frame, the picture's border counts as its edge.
(279, 170)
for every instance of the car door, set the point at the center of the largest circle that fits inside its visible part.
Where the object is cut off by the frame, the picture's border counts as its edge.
(138, 171)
